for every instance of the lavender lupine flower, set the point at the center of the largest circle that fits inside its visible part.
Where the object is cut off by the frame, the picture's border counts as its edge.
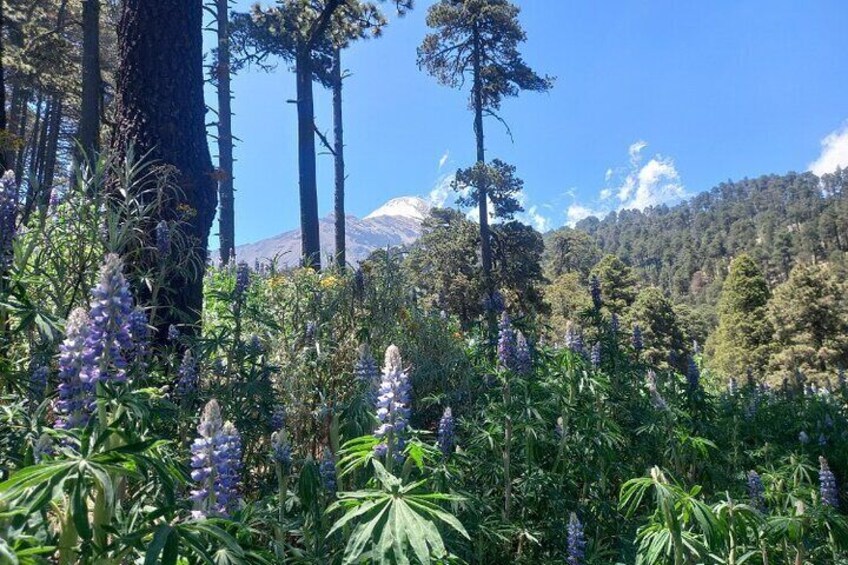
(139, 333)
(8, 218)
(523, 356)
(595, 357)
(278, 417)
(310, 331)
(574, 339)
(614, 324)
(595, 291)
(327, 471)
(693, 375)
(254, 346)
(636, 339)
(38, 382)
(506, 343)
(803, 437)
(109, 338)
(75, 398)
(827, 484)
(215, 462)
(392, 405)
(187, 377)
(822, 440)
(366, 372)
(576, 541)
(242, 280)
(163, 239)
(756, 491)
(446, 432)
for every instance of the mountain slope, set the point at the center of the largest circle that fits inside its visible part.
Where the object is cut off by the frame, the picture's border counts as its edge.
(396, 223)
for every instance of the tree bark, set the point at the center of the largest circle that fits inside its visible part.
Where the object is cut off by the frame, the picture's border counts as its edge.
(160, 111)
(310, 237)
(226, 190)
(88, 136)
(51, 155)
(482, 202)
(338, 160)
(4, 152)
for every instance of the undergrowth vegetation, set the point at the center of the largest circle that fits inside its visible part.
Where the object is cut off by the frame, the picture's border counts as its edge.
(333, 418)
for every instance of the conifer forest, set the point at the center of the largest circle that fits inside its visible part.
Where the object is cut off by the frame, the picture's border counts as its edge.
(654, 385)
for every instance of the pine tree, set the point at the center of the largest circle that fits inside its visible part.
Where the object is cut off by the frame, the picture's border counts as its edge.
(618, 283)
(742, 340)
(161, 114)
(479, 39)
(662, 336)
(809, 314)
(88, 134)
(221, 74)
(306, 35)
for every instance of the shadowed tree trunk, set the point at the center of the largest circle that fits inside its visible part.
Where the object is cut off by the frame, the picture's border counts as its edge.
(226, 216)
(310, 238)
(50, 156)
(160, 111)
(88, 136)
(482, 204)
(338, 160)
(4, 151)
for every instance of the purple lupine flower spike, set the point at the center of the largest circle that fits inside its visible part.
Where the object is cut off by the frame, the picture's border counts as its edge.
(110, 337)
(595, 291)
(446, 432)
(327, 471)
(636, 339)
(75, 398)
(366, 372)
(614, 324)
(163, 239)
(188, 377)
(595, 357)
(8, 218)
(827, 484)
(523, 356)
(242, 280)
(215, 463)
(756, 491)
(576, 541)
(506, 343)
(38, 382)
(173, 333)
(693, 375)
(278, 417)
(281, 450)
(393, 405)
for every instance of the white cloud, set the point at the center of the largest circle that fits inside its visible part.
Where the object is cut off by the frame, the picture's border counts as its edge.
(444, 159)
(537, 220)
(834, 152)
(576, 212)
(440, 193)
(635, 151)
(606, 193)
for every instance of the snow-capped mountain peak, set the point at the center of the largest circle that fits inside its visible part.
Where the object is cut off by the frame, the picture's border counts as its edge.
(404, 206)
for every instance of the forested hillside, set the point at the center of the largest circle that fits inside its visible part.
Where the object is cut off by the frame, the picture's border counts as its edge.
(779, 220)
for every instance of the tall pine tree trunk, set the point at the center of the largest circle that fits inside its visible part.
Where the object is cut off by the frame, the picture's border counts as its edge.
(338, 159)
(482, 203)
(160, 111)
(4, 140)
(88, 136)
(310, 238)
(51, 155)
(226, 216)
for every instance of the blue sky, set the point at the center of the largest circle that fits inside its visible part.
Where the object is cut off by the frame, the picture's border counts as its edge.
(653, 101)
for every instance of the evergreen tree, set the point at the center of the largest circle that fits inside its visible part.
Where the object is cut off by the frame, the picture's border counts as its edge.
(742, 340)
(161, 114)
(810, 318)
(618, 283)
(479, 39)
(221, 75)
(570, 251)
(662, 337)
(88, 136)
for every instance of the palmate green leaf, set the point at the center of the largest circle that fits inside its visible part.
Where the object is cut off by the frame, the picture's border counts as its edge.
(362, 535)
(157, 545)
